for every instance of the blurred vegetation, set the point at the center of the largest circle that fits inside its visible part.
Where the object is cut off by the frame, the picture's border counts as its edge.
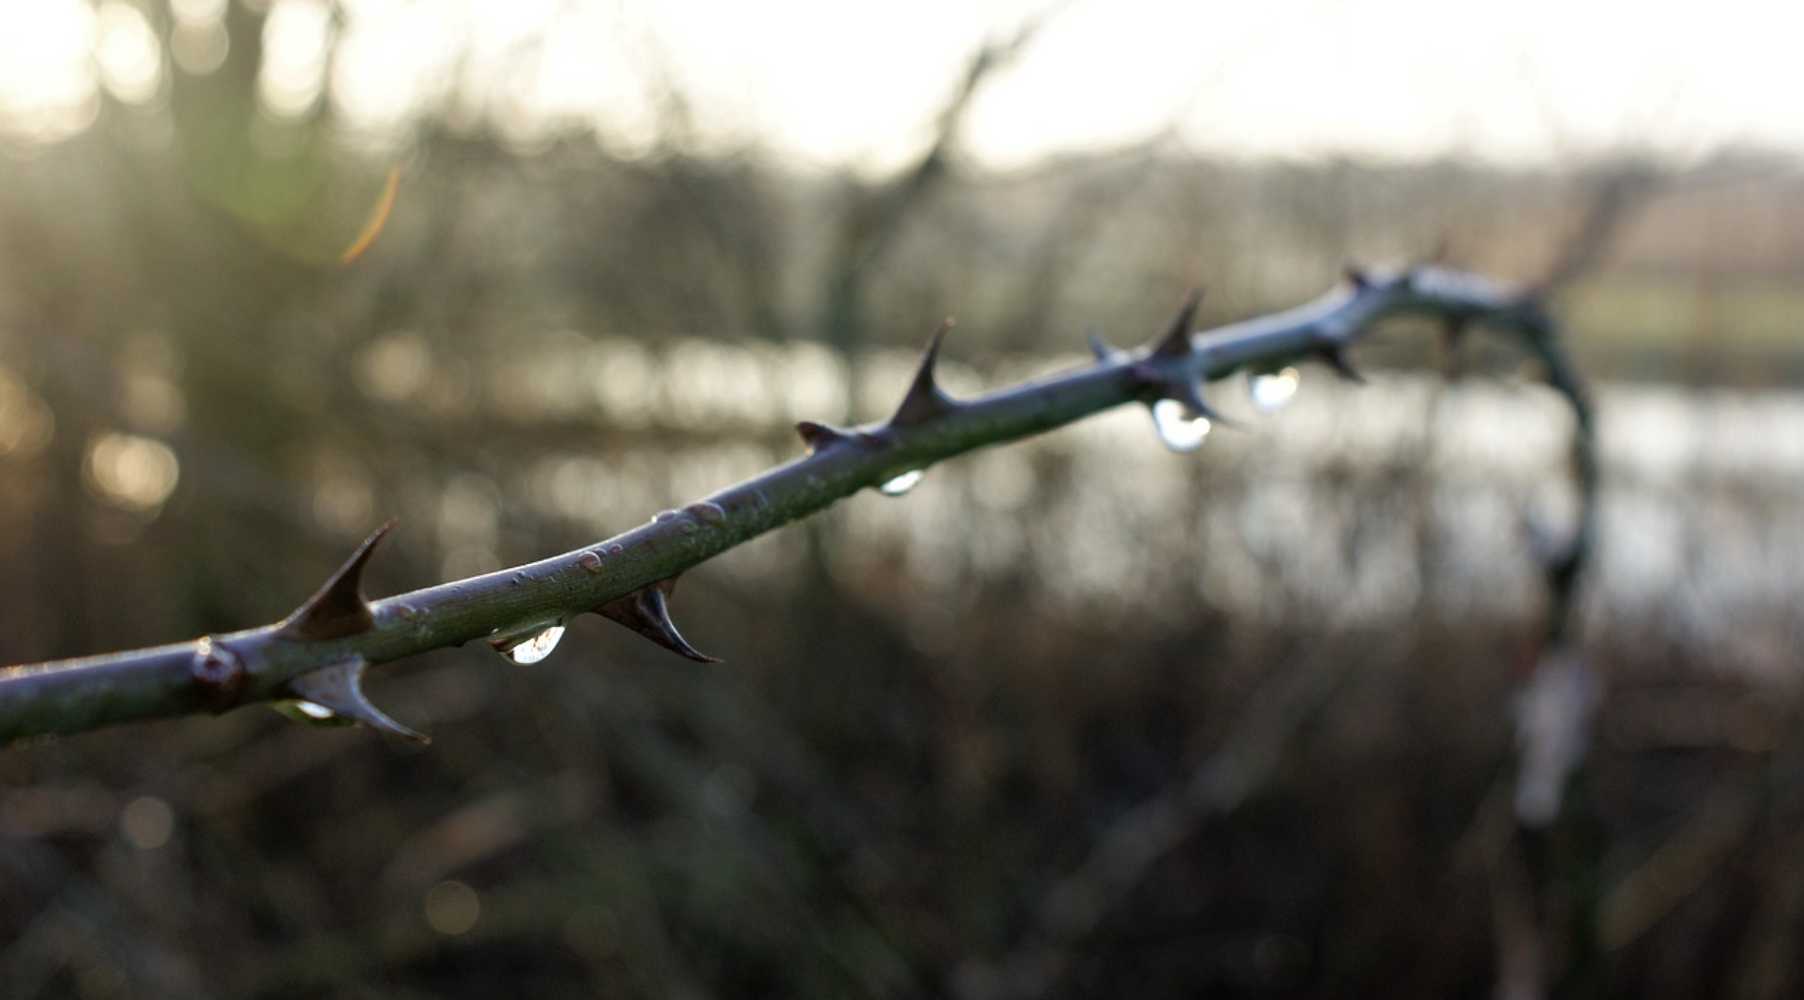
(1070, 720)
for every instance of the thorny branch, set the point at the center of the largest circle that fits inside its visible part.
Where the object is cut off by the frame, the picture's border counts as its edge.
(317, 656)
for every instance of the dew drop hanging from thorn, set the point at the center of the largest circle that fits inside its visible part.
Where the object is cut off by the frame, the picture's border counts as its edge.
(310, 713)
(902, 483)
(1273, 391)
(1178, 427)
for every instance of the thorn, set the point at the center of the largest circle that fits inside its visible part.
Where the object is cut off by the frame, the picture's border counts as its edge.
(1357, 277)
(339, 688)
(338, 608)
(1531, 303)
(646, 612)
(1337, 357)
(818, 437)
(924, 399)
(1099, 346)
(1174, 341)
(1191, 395)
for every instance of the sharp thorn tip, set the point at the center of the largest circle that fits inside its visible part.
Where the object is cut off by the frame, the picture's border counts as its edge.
(1191, 395)
(338, 608)
(647, 612)
(818, 436)
(1338, 358)
(925, 399)
(1174, 340)
(339, 688)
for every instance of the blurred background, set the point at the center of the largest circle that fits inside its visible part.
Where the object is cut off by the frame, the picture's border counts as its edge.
(1076, 717)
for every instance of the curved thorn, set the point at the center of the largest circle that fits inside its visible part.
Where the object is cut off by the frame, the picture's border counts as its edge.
(1338, 358)
(646, 612)
(924, 399)
(1174, 340)
(1100, 347)
(818, 437)
(1190, 394)
(1531, 305)
(338, 608)
(339, 688)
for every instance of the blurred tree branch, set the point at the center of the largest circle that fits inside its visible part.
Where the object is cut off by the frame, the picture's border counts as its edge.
(874, 215)
(1610, 201)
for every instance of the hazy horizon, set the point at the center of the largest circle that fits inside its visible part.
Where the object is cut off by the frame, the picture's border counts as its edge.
(836, 86)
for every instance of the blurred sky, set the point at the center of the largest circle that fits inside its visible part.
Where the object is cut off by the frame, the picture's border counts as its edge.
(831, 82)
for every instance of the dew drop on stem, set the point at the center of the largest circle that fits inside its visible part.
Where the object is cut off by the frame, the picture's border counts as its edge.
(902, 483)
(707, 512)
(310, 713)
(1273, 391)
(1178, 427)
(528, 646)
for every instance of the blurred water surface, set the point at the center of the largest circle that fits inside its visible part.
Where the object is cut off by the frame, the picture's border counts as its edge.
(1369, 505)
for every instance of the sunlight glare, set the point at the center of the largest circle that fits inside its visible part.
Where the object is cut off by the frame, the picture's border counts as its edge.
(47, 79)
(296, 41)
(861, 87)
(130, 472)
(130, 57)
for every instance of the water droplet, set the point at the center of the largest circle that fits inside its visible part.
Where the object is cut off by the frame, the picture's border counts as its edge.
(708, 512)
(528, 646)
(616, 548)
(310, 713)
(902, 483)
(662, 516)
(589, 561)
(414, 615)
(1178, 428)
(1273, 391)
(217, 670)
